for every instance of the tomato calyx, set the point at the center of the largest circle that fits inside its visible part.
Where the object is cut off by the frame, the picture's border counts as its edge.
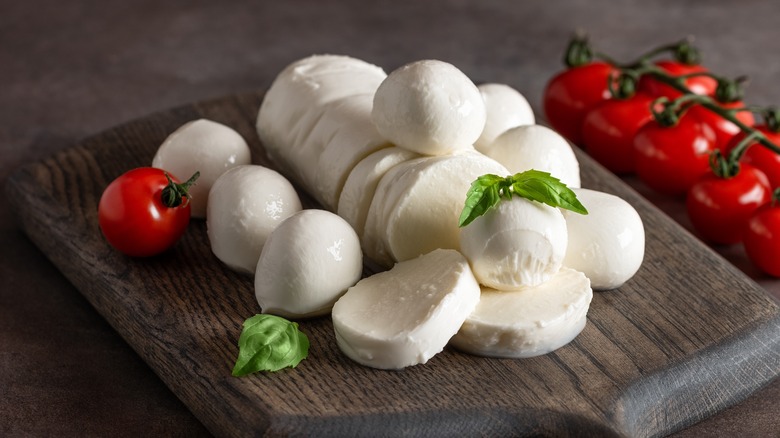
(578, 52)
(174, 194)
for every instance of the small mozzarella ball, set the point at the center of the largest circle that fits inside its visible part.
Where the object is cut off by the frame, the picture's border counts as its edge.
(607, 244)
(307, 263)
(246, 203)
(506, 108)
(517, 243)
(429, 107)
(536, 147)
(202, 146)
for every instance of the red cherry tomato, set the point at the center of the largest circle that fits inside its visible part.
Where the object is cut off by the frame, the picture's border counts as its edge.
(703, 85)
(719, 208)
(133, 217)
(671, 159)
(724, 129)
(571, 93)
(762, 238)
(759, 156)
(608, 130)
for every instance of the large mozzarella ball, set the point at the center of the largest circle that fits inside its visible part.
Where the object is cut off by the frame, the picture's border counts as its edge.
(536, 147)
(202, 146)
(246, 203)
(429, 107)
(506, 108)
(517, 243)
(607, 244)
(307, 263)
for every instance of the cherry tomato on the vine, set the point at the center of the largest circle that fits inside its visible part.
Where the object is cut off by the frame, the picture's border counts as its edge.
(762, 238)
(135, 219)
(671, 159)
(703, 85)
(724, 129)
(719, 208)
(759, 156)
(608, 130)
(571, 93)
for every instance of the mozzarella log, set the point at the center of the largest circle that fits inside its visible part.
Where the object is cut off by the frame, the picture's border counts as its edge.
(505, 108)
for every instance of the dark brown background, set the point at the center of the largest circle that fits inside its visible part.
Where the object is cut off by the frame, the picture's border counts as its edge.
(71, 69)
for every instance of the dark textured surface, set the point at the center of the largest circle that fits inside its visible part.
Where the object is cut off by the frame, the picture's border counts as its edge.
(75, 68)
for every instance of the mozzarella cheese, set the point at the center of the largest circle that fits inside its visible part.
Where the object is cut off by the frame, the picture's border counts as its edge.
(404, 316)
(429, 107)
(517, 243)
(607, 244)
(506, 108)
(202, 146)
(307, 263)
(245, 204)
(536, 147)
(527, 322)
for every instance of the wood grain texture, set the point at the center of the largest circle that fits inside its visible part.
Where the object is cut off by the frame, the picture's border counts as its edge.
(686, 337)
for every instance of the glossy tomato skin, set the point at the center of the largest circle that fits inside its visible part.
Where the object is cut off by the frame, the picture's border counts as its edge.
(133, 217)
(571, 93)
(724, 129)
(608, 131)
(671, 159)
(759, 156)
(703, 85)
(719, 208)
(762, 238)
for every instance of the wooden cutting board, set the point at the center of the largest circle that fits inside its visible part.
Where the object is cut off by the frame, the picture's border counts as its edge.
(687, 336)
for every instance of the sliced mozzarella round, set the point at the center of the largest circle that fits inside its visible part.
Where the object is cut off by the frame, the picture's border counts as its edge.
(527, 322)
(359, 189)
(429, 107)
(506, 108)
(417, 205)
(202, 146)
(406, 315)
(307, 263)
(518, 243)
(607, 244)
(536, 147)
(245, 204)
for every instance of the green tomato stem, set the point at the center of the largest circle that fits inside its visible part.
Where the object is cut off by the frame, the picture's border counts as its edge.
(174, 195)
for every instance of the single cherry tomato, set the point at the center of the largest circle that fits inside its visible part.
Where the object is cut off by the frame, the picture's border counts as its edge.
(670, 159)
(138, 218)
(571, 93)
(724, 129)
(759, 156)
(703, 85)
(719, 208)
(762, 238)
(608, 130)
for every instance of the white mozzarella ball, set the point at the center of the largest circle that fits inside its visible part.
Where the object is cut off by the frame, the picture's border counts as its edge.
(307, 263)
(607, 244)
(517, 243)
(506, 108)
(202, 146)
(246, 203)
(536, 147)
(429, 107)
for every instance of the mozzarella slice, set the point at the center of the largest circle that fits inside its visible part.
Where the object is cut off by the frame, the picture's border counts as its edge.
(202, 146)
(527, 322)
(360, 186)
(536, 147)
(517, 243)
(246, 203)
(506, 108)
(406, 315)
(607, 244)
(307, 263)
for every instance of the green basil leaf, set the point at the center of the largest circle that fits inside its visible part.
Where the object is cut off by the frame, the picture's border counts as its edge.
(269, 343)
(484, 194)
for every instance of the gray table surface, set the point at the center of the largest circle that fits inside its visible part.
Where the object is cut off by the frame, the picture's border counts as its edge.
(71, 69)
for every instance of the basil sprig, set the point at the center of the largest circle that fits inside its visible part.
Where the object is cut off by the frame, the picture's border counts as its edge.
(269, 343)
(488, 190)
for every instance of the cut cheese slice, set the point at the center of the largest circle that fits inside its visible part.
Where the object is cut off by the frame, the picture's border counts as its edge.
(406, 315)
(527, 322)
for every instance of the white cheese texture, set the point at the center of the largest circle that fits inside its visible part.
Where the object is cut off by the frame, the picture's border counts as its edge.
(527, 322)
(202, 146)
(307, 263)
(505, 108)
(404, 316)
(245, 204)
